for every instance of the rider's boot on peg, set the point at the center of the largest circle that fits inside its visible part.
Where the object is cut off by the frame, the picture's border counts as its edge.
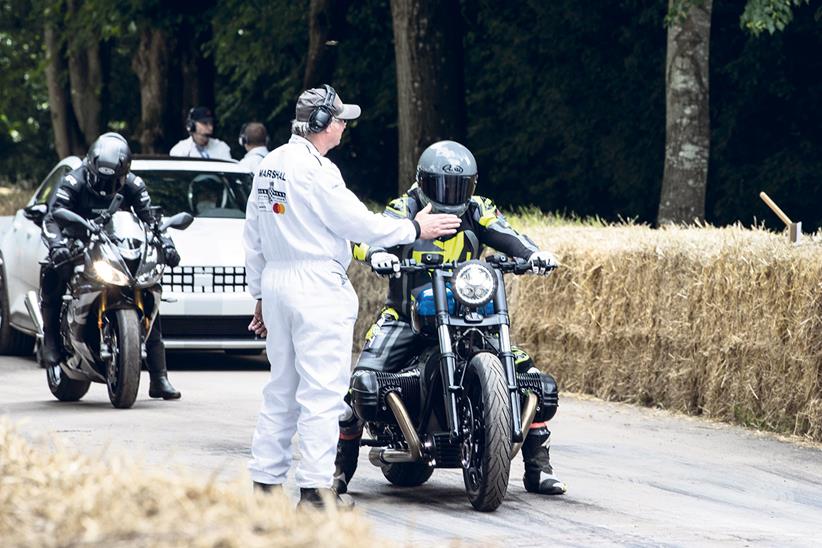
(539, 474)
(348, 451)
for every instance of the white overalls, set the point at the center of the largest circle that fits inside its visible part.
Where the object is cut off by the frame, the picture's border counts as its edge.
(300, 219)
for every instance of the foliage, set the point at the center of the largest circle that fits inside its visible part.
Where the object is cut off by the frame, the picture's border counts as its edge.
(770, 15)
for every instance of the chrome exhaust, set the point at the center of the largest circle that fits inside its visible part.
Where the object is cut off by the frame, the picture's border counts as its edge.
(378, 456)
(529, 411)
(33, 308)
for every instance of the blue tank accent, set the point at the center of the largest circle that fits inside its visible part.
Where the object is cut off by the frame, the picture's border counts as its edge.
(488, 309)
(426, 306)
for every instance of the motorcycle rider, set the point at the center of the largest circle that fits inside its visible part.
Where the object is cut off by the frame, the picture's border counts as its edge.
(88, 191)
(446, 178)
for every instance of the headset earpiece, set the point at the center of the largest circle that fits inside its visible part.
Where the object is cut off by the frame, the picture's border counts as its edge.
(243, 138)
(190, 126)
(323, 114)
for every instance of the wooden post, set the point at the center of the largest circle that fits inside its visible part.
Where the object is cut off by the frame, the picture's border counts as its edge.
(794, 229)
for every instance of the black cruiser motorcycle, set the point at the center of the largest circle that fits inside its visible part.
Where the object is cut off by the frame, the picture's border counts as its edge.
(110, 304)
(461, 403)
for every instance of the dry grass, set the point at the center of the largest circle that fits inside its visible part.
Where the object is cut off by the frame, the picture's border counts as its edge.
(56, 497)
(725, 323)
(12, 199)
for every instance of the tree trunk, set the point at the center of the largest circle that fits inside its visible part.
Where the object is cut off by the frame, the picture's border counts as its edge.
(66, 135)
(86, 79)
(326, 24)
(150, 63)
(687, 124)
(430, 80)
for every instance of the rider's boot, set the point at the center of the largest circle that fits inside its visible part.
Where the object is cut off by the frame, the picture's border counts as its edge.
(160, 386)
(267, 487)
(319, 498)
(51, 351)
(348, 450)
(539, 474)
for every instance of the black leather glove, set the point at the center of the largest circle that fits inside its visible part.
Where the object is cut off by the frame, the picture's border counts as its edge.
(171, 256)
(59, 254)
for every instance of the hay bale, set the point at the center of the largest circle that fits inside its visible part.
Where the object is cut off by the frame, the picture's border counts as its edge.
(57, 497)
(722, 322)
(12, 199)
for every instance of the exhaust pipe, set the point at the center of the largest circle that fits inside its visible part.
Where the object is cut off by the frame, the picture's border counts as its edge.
(529, 411)
(378, 456)
(33, 308)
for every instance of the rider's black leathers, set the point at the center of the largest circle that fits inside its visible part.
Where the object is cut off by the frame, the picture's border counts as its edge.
(391, 343)
(74, 193)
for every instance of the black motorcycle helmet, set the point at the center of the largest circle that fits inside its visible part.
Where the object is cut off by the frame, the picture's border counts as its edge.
(108, 162)
(447, 177)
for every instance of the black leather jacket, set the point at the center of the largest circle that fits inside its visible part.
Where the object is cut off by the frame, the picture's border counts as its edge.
(75, 194)
(482, 225)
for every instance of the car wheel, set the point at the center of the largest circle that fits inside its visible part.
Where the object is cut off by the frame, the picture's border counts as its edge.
(12, 342)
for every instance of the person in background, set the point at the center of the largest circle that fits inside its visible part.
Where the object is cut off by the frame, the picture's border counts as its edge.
(254, 138)
(201, 142)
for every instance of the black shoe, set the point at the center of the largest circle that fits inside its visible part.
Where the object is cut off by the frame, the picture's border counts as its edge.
(348, 451)
(267, 487)
(316, 498)
(543, 483)
(160, 387)
(539, 474)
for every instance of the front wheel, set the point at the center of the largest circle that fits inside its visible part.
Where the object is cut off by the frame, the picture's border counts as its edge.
(123, 369)
(407, 474)
(485, 414)
(64, 388)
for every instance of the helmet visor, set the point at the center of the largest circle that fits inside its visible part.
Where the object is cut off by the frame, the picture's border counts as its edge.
(447, 189)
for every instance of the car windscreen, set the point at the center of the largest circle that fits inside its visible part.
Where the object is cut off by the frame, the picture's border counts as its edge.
(203, 194)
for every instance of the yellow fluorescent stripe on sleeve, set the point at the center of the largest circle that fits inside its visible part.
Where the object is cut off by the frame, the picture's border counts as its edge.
(360, 252)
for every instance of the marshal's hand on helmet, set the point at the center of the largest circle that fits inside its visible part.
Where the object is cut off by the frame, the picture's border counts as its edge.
(434, 225)
(383, 263)
(543, 262)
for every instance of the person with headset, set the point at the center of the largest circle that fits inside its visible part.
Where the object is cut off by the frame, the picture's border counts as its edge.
(254, 139)
(201, 142)
(300, 219)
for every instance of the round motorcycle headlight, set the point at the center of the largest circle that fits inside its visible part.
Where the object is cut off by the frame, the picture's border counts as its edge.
(474, 284)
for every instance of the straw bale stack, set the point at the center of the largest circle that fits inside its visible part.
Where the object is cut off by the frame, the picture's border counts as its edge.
(56, 497)
(725, 323)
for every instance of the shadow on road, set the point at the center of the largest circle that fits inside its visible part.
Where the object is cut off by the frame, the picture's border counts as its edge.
(216, 360)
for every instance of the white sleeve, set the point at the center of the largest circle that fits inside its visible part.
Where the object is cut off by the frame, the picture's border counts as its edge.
(223, 151)
(254, 259)
(178, 149)
(345, 215)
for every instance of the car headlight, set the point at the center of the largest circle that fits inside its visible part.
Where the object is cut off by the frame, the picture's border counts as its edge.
(474, 284)
(109, 274)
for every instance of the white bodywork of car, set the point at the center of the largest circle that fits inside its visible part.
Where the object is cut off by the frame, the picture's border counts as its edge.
(210, 295)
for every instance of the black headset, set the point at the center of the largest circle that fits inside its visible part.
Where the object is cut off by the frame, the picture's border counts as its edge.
(190, 127)
(323, 114)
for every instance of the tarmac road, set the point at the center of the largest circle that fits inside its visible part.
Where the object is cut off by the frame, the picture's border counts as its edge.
(636, 476)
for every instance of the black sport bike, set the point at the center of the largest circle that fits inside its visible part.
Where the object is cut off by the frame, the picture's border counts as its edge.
(110, 303)
(460, 403)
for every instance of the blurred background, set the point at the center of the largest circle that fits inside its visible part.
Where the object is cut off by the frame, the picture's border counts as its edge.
(563, 102)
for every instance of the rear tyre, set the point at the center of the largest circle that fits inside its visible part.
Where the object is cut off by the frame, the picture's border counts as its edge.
(123, 369)
(12, 342)
(407, 474)
(64, 388)
(486, 414)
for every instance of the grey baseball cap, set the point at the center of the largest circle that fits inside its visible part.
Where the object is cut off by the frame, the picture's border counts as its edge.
(312, 98)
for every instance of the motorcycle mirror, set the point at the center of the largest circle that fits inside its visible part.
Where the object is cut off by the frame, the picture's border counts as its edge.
(180, 221)
(35, 213)
(69, 217)
(115, 204)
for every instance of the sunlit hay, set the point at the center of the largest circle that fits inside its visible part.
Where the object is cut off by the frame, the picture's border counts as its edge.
(57, 497)
(12, 199)
(725, 323)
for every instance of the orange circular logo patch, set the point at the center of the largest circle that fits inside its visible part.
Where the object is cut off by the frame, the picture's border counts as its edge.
(278, 208)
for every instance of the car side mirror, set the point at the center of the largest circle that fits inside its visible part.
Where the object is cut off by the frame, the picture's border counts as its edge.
(180, 221)
(35, 213)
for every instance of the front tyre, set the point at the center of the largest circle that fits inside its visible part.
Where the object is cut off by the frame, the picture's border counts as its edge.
(123, 369)
(407, 474)
(485, 414)
(64, 388)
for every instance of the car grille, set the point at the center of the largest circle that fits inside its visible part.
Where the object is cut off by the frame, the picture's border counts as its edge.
(205, 279)
(198, 327)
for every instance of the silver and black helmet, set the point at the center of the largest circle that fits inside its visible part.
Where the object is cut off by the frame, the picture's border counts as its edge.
(108, 161)
(447, 177)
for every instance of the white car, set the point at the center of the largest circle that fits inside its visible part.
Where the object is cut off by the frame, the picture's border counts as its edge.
(205, 302)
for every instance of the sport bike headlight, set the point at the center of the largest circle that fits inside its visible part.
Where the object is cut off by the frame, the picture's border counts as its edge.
(108, 274)
(474, 284)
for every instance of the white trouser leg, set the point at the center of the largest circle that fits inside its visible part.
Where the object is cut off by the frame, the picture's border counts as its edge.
(277, 422)
(323, 330)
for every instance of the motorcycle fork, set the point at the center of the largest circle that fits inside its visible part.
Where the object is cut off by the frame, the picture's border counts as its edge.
(507, 359)
(447, 357)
